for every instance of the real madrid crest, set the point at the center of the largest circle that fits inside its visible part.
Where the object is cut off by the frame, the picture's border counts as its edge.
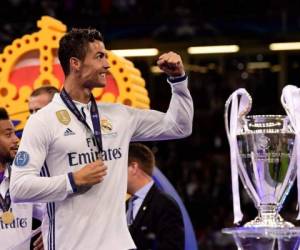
(63, 116)
(106, 126)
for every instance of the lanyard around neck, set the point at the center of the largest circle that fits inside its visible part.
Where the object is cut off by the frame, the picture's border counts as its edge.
(5, 201)
(94, 116)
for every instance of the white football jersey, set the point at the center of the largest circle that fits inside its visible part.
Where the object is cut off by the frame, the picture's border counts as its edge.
(55, 139)
(17, 235)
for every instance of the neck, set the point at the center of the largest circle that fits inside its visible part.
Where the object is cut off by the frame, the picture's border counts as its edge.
(77, 92)
(140, 184)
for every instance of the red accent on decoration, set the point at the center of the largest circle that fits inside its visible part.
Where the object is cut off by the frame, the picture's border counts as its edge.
(25, 76)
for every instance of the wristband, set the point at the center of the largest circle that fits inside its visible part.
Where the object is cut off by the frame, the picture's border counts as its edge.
(175, 79)
(72, 182)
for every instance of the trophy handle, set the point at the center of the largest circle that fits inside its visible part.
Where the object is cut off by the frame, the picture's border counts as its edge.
(239, 109)
(288, 104)
(290, 99)
(243, 109)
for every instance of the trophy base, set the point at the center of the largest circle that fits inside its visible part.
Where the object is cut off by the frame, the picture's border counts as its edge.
(265, 238)
(273, 222)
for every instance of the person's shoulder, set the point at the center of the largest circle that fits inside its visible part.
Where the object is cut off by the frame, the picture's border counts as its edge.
(47, 114)
(165, 198)
(49, 107)
(107, 105)
(114, 107)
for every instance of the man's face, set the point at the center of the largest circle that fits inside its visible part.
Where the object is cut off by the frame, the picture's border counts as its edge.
(37, 102)
(95, 65)
(130, 177)
(8, 141)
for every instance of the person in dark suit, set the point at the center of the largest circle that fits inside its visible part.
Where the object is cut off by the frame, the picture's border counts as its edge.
(154, 218)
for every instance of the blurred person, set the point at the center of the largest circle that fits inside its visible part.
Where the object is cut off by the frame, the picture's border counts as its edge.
(40, 97)
(83, 147)
(16, 219)
(154, 218)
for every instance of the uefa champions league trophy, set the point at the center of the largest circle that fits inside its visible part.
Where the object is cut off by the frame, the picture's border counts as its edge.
(263, 152)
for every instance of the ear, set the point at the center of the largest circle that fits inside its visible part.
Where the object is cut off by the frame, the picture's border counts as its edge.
(75, 64)
(133, 167)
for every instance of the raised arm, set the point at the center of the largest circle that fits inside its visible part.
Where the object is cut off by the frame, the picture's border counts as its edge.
(177, 121)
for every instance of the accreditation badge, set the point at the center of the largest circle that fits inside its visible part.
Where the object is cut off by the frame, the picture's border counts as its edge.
(63, 116)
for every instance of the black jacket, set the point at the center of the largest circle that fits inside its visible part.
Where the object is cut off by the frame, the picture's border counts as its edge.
(158, 224)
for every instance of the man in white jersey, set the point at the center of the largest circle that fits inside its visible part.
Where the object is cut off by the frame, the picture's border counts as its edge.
(83, 148)
(16, 219)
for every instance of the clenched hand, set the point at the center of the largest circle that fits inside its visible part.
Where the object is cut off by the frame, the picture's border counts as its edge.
(171, 64)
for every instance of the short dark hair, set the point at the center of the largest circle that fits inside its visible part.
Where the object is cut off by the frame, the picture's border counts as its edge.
(3, 114)
(143, 155)
(75, 44)
(47, 89)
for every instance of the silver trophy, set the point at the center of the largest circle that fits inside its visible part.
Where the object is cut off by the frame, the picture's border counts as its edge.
(265, 151)
(264, 155)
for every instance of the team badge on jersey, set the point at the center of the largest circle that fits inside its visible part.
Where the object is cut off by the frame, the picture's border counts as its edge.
(21, 159)
(106, 126)
(63, 116)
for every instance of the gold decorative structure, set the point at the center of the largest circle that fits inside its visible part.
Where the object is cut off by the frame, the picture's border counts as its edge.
(31, 61)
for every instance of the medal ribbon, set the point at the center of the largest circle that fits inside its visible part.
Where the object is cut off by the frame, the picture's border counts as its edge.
(94, 115)
(6, 201)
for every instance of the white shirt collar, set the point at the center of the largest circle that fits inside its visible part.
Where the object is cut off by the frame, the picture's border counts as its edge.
(58, 99)
(142, 192)
(84, 105)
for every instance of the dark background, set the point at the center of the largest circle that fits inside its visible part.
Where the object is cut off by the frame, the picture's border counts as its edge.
(197, 166)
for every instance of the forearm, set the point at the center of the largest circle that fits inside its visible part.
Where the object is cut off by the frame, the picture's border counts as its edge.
(32, 188)
(181, 109)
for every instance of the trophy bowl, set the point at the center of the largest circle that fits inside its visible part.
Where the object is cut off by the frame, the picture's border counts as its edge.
(264, 152)
(266, 165)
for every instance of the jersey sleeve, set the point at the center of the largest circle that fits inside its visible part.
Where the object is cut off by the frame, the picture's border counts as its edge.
(175, 123)
(26, 184)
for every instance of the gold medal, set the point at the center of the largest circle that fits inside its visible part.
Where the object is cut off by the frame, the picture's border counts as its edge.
(7, 217)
